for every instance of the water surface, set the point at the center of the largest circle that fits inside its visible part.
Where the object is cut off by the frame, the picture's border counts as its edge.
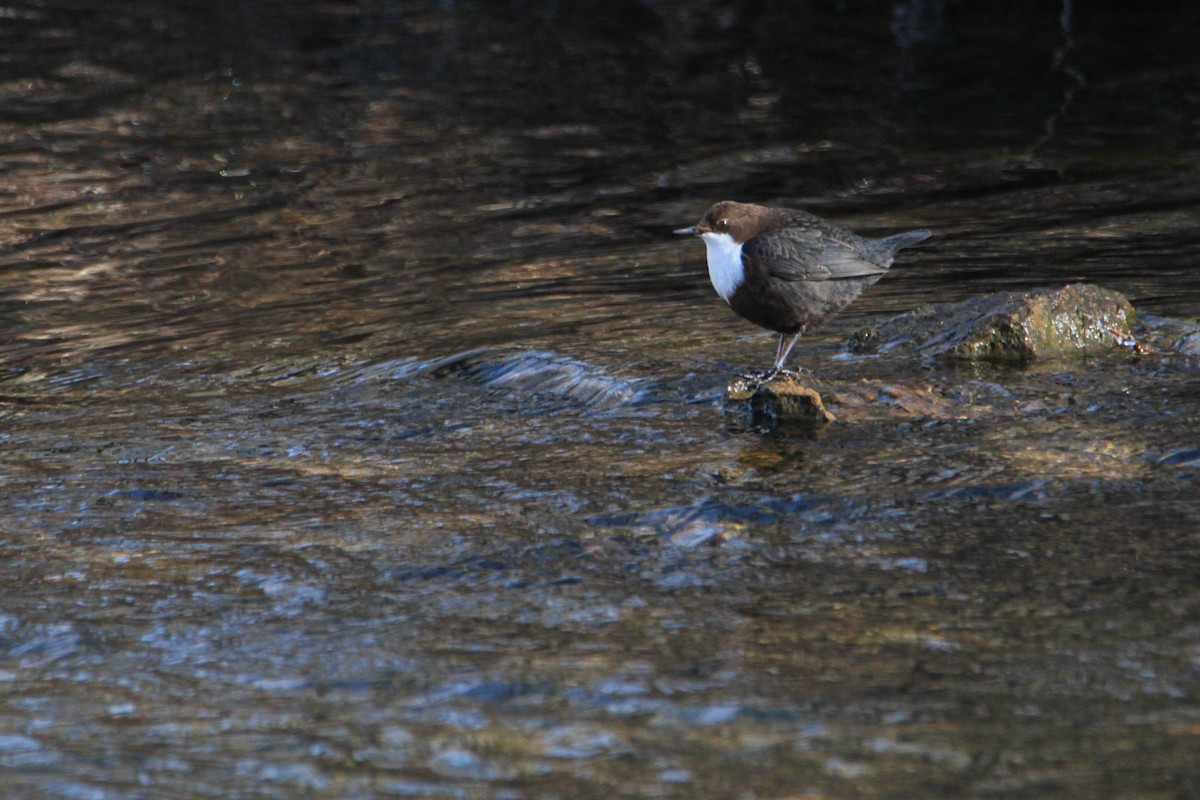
(361, 421)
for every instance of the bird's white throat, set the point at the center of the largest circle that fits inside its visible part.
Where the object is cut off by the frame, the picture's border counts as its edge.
(725, 268)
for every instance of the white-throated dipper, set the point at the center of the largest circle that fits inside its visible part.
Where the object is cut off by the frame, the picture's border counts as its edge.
(787, 270)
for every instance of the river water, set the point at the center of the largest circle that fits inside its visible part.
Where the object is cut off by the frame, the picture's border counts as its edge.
(361, 417)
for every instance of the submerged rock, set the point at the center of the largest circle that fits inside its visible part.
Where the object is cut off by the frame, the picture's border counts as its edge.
(895, 400)
(1167, 335)
(788, 396)
(1008, 326)
(1189, 345)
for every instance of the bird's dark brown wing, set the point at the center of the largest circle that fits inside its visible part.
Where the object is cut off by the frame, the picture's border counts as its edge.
(807, 253)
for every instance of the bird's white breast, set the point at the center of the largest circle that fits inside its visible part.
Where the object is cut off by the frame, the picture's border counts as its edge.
(725, 268)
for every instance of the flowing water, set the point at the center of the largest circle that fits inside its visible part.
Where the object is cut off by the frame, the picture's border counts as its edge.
(361, 418)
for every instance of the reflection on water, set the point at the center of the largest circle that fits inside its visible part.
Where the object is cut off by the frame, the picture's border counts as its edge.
(361, 416)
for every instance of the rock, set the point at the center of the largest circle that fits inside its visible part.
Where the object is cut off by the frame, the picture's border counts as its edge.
(787, 396)
(1010, 327)
(1189, 345)
(1165, 335)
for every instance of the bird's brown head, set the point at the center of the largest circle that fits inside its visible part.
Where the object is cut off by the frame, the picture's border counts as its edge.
(739, 220)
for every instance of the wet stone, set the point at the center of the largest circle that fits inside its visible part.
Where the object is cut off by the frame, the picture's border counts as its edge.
(785, 397)
(1165, 335)
(1188, 345)
(1008, 327)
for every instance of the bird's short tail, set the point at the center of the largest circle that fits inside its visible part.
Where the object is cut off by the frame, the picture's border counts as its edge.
(908, 239)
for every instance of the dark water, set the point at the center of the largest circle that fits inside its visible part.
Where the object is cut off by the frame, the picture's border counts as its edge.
(359, 420)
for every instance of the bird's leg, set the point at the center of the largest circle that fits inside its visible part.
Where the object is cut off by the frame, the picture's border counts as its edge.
(786, 342)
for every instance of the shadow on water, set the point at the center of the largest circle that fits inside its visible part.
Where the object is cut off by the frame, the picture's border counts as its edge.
(362, 420)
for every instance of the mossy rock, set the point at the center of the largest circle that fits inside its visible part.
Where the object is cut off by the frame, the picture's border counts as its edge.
(1011, 327)
(785, 397)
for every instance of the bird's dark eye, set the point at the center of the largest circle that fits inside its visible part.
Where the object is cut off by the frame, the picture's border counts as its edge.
(722, 224)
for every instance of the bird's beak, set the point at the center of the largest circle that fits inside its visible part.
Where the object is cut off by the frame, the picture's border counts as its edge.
(692, 231)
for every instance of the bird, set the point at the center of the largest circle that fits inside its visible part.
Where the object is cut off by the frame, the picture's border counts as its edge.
(787, 270)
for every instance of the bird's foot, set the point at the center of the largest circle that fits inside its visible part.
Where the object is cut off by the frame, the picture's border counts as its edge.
(759, 377)
(798, 372)
(775, 372)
